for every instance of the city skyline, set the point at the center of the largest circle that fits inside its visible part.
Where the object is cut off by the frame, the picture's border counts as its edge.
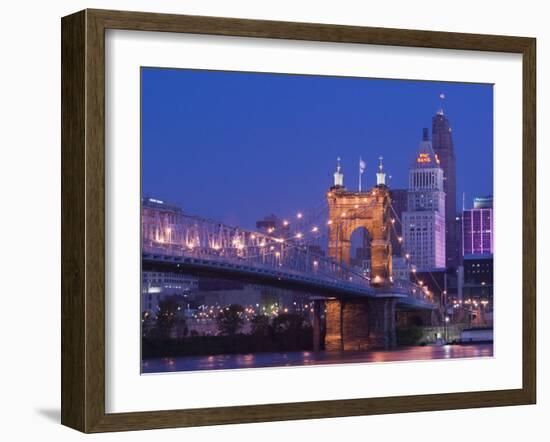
(288, 133)
(270, 207)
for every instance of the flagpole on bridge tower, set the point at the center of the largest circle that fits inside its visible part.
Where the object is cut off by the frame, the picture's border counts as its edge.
(362, 166)
(360, 174)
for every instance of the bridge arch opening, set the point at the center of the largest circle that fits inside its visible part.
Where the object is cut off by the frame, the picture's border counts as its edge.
(360, 249)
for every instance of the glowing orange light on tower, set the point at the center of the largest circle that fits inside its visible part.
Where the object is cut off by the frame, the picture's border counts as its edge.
(423, 158)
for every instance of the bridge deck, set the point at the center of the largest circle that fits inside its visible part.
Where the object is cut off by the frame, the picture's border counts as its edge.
(318, 283)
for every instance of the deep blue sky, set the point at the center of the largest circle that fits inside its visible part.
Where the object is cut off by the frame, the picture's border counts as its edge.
(237, 146)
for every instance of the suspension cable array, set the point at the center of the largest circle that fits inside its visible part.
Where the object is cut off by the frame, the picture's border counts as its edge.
(407, 255)
(294, 246)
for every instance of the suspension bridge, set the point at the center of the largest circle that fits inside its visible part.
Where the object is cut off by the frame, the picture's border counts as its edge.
(311, 253)
(286, 257)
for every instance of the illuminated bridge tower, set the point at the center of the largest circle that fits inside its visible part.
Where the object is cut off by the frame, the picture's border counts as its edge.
(349, 211)
(361, 323)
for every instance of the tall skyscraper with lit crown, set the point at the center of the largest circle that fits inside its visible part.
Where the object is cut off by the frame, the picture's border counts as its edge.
(424, 220)
(442, 142)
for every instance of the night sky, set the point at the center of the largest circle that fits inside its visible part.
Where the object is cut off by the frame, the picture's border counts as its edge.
(238, 146)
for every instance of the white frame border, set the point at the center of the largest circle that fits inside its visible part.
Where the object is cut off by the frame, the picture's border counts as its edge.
(126, 390)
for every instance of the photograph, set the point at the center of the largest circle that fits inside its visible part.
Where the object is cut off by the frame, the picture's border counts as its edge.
(292, 220)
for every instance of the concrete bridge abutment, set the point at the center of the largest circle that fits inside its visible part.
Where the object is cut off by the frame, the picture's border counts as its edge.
(419, 318)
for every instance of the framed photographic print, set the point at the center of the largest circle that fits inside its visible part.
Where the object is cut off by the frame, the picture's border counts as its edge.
(269, 220)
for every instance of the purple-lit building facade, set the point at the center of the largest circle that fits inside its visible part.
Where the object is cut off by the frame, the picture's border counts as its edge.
(477, 228)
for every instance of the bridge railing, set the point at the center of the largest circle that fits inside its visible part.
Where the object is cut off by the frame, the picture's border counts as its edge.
(411, 289)
(294, 261)
(290, 259)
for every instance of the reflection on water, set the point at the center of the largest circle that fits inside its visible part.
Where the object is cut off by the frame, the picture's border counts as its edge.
(225, 362)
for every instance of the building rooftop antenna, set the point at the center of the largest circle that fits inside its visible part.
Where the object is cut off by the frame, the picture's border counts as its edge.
(442, 98)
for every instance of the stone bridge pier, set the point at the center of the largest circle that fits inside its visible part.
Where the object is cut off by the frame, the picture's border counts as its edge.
(360, 324)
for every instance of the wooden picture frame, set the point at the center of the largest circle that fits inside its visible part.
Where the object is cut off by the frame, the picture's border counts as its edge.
(83, 220)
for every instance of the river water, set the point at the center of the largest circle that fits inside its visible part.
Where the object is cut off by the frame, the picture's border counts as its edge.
(299, 358)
